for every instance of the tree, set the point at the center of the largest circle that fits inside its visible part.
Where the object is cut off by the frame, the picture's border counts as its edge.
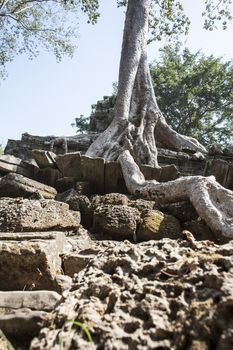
(81, 124)
(139, 123)
(195, 94)
(28, 25)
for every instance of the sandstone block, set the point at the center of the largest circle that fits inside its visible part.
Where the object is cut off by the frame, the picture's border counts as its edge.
(30, 262)
(218, 168)
(141, 204)
(11, 164)
(93, 172)
(43, 300)
(77, 202)
(110, 199)
(19, 215)
(113, 179)
(70, 165)
(44, 159)
(22, 324)
(84, 188)
(47, 176)
(229, 178)
(163, 174)
(116, 221)
(15, 185)
(150, 172)
(156, 225)
(64, 184)
(75, 262)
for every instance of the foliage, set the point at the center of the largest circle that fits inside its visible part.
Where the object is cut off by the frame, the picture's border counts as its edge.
(168, 18)
(81, 124)
(84, 329)
(26, 26)
(1, 150)
(195, 94)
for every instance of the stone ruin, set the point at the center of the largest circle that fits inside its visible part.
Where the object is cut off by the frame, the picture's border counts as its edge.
(85, 265)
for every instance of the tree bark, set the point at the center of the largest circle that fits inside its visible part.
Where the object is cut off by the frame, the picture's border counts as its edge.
(138, 121)
(213, 203)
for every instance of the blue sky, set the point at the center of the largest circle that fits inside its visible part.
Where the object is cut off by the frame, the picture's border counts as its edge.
(43, 97)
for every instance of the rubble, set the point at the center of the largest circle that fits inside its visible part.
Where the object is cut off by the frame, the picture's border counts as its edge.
(137, 275)
(16, 185)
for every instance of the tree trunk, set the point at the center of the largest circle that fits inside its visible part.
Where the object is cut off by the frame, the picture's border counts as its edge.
(213, 203)
(138, 122)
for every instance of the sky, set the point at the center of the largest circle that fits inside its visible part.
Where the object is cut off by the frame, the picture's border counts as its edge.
(43, 97)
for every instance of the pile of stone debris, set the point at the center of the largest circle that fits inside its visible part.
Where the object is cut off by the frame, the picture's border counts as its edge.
(85, 267)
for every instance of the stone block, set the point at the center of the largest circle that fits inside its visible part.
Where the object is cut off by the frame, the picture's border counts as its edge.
(163, 174)
(168, 173)
(47, 176)
(78, 203)
(43, 300)
(70, 165)
(113, 178)
(84, 188)
(116, 221)
(15, 185)
(218, 168)
(93, 172)
(20, 215)
(229, 178)
(30, 261)
(156, 225)
(11, 164)
(74, 263)
(44, 159)
(22, 324)
(109, 199)
(150, 172)
(64, 184)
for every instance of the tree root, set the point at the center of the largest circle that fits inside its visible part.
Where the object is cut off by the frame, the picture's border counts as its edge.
(213, 203)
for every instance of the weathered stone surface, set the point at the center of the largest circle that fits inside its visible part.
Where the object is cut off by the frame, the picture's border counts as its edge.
(11, 164)
(18, 215)
(153, 295)
(113, 179)
(31, 263)
(169, 173)
(64, 184)
(43, 300)
(84, 188)
(110, 199)
(48, 176)
(78, 203)
(151, 173)
(116, 221)
(201, 231)
(75, 262)
(63, 283)
(93, 172)
(183, 211)
(229, 178)
(156, 225)
(44, 159)
(218, 168)
(70, 165)
(22, 323)
(215, 150)
(163, 174)
(15, 185)
(141, 204)
(23, 148)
